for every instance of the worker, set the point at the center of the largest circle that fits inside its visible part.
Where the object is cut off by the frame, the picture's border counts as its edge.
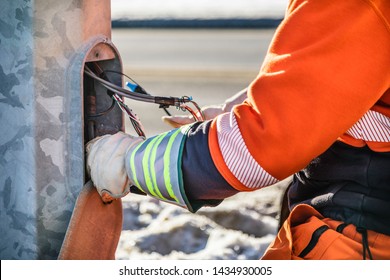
(319, 110)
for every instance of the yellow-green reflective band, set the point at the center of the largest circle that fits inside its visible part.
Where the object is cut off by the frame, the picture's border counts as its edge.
(167, 159)
(152, 164)
(145, 167)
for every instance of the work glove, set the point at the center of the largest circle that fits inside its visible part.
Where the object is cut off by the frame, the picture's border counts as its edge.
(106, 164)
(209, 112)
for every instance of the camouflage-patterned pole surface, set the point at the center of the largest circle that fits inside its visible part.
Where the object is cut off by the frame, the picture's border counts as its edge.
(44, 45)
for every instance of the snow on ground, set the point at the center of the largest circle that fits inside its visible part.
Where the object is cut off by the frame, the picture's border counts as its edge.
(241, 227)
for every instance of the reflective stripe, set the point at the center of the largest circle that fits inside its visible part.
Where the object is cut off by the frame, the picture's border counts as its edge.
(147, 168)
(237, 157)
(152, 160)
(373, 126)
(167, 166)
(155, 166)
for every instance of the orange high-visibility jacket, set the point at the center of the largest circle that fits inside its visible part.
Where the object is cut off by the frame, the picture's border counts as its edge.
(326, 77)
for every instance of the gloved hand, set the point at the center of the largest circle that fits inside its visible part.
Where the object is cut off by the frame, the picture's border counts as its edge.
(209, 112)
(106, 164)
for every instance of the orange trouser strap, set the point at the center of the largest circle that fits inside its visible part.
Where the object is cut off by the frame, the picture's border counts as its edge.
(306, 234)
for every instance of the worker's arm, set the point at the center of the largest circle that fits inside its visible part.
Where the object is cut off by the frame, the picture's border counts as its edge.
(326, 67)
(107, 161)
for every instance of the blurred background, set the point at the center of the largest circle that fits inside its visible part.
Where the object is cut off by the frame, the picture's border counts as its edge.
(205, 49)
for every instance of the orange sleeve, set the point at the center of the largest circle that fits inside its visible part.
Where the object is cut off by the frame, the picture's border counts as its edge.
(327, 64)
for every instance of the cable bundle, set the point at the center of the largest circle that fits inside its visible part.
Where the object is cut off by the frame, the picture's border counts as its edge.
(136, 92)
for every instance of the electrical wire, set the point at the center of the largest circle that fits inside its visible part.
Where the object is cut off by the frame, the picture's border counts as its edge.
(121, 91)
(138, 127)
(136, 123)
(117, 92)
(166, 111)
(197, 114)
(128, 77)
(162, 100)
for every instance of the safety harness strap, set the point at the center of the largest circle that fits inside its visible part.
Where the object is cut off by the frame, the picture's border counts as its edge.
(313, 241)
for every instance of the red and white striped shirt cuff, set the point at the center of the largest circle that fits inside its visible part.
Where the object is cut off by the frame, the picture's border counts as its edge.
(237, 156)
(373, 126)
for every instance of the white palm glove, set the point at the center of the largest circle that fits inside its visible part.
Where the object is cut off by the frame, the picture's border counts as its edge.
(106, 164)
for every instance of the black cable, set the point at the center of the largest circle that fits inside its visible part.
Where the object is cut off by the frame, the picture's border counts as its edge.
(139, 94)
(162, 100)
(139, 89)
(121, 91)
(142, 90)
(166, 111)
